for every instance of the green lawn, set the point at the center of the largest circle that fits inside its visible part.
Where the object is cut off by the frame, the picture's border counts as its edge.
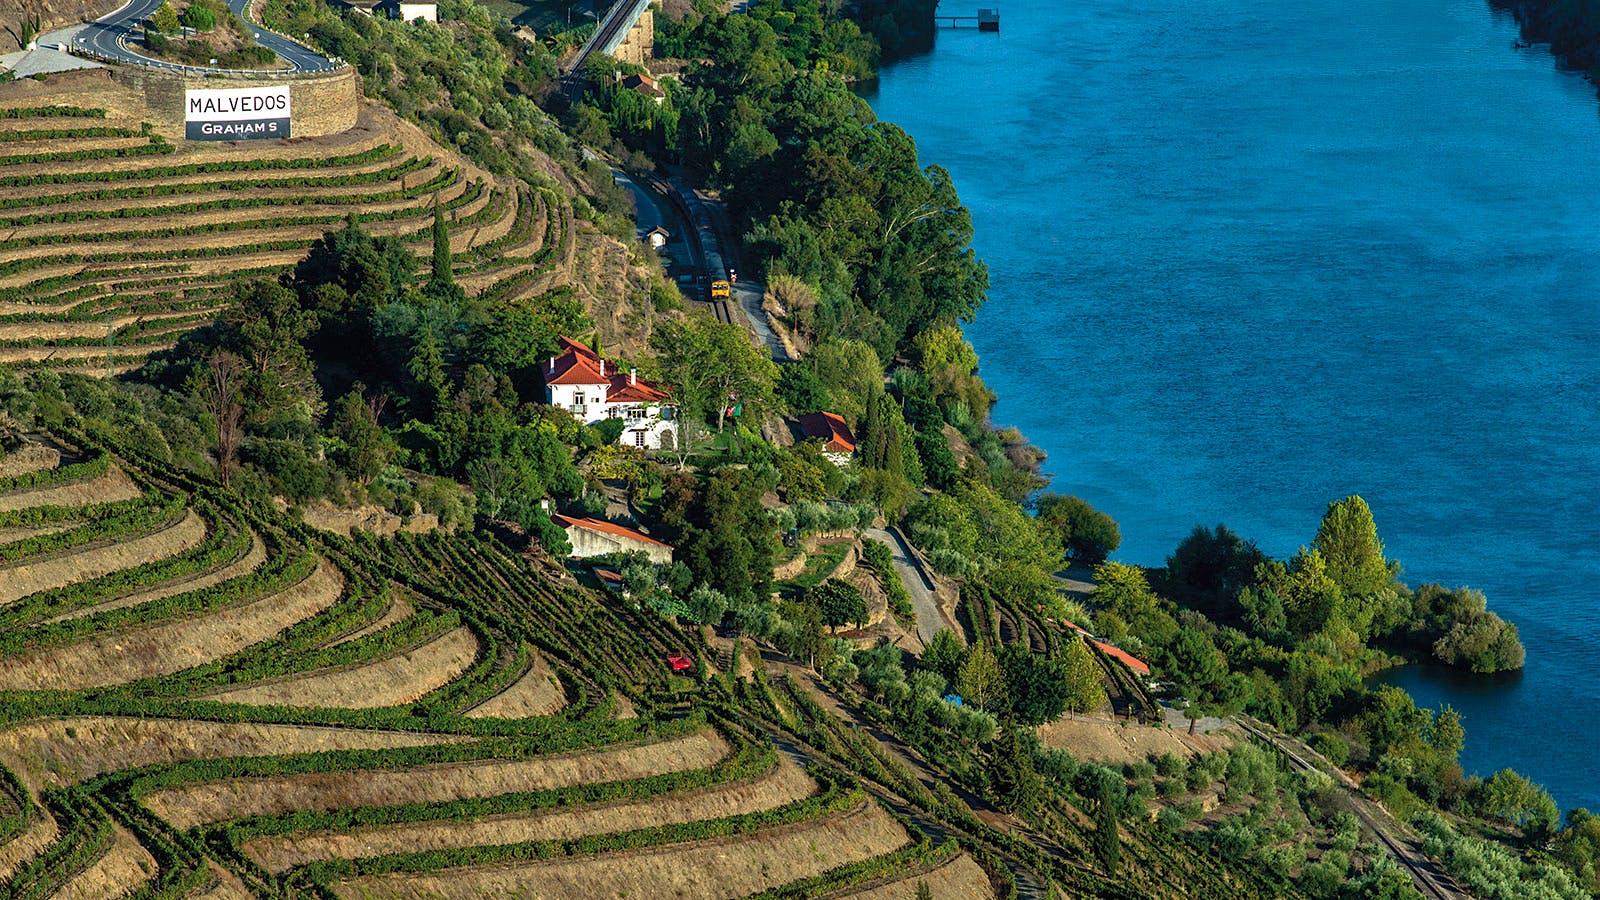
(818, 565)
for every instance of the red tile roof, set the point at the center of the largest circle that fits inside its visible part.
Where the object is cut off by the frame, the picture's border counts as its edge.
(644, 84)
(580, 365)
(1123, 657)
(830, 428)
(606, 528)
(627, 389)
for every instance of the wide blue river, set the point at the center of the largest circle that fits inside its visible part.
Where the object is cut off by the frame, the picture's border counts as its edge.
(1251, 257)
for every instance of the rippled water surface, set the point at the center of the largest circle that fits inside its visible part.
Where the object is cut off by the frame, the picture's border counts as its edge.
(1251, 257)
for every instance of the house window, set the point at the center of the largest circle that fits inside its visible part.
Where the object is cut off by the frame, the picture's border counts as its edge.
(613, 412)
(635, 413)
(638, 438)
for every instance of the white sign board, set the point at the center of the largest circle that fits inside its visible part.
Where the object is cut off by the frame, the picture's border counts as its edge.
(236, 114)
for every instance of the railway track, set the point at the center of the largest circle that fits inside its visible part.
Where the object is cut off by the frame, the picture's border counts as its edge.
(1421, 869)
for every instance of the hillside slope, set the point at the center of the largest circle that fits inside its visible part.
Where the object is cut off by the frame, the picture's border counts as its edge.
(197, 744)
(113, 241)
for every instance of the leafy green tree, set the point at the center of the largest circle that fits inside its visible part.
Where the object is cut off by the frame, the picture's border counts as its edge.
(199, 18)
(938, 461)
(536, 522)
(850, 371)
(1086, 690)
(801, 390)
(1038, 686)
(714, 364)
(165, 19)
(348, 275)
(1446, 734)
(1209, 570)
(1578, 847)
(840, 603)
(1262, 612)
(431, 381)
(1348, 541)
(1087, 534)
(1104, 789)
(266, 328)
(1310, 598)
(1512, 798)
(367, 449)
(980, 680)
(1315, 686)
(638, 576)
(806, 637)
(1125, 592)
(1482, 642)
(1197, 667)
(728, 544)
(944, 655)
(707, 604)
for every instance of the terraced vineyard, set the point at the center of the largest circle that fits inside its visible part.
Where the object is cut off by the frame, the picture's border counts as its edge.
(113, 242)
(200, 698)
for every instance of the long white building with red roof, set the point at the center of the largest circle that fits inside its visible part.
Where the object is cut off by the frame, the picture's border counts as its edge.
(593, 389)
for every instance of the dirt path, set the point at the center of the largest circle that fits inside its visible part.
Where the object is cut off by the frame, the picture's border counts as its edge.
(216, 801)
(389, 681)
(253, 557)
(171, 646)
(536, 693)
(113, 485)
(101, 558)
(784, 783)
(711, 870)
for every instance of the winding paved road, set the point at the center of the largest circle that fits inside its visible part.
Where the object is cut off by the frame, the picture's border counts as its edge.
(111, 38)
(929, 617)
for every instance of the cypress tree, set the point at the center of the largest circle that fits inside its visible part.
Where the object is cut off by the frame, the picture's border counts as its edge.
(1106, 841)
(441, 281)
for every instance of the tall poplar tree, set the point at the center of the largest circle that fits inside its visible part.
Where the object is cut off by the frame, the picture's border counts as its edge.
(1348, 541)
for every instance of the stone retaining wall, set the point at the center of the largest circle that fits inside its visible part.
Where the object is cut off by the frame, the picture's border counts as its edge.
(321, 105)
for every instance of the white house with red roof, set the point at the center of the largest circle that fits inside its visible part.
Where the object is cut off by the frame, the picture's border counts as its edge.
(593, 389)
(596, 537)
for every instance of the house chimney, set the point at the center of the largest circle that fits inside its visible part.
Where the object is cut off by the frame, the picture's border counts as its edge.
(552, 365)
(633, 376)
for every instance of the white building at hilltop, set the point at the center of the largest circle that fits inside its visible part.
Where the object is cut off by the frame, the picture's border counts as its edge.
(593, 390)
